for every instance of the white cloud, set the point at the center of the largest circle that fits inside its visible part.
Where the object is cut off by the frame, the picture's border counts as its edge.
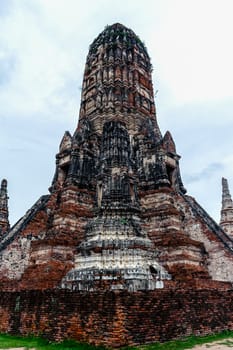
(43, 68)
(195, 53)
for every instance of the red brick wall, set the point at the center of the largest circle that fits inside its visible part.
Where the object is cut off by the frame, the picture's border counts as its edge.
(116, 318)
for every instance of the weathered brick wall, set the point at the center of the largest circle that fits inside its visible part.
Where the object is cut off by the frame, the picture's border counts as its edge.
(117, 318)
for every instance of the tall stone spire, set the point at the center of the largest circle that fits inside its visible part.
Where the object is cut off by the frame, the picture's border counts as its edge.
(4, 222)
(226, 221)
(117, 116)
(117, 216)
(117, 81)
(116, 156)
(117, 87)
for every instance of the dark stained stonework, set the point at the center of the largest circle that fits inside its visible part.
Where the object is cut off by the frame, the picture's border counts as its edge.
(4, 222)
(226, 221)
(117, 221)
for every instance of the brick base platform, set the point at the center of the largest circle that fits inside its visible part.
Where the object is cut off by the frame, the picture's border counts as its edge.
(117, 318)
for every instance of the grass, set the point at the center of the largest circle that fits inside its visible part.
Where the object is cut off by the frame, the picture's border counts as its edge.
(190, 342)
(7, 341)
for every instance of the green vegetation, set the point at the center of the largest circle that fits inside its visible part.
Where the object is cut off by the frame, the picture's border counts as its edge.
(7, 341)
(190, 342)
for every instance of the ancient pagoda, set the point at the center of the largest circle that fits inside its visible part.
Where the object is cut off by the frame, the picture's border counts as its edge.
(117, 216)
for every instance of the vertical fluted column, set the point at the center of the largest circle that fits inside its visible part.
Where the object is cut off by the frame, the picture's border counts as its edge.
(4, 222)
(226, 221)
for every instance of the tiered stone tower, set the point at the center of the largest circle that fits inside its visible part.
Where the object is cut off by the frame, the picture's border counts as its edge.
(226, 221)
(4, 222)
(117, 112)
(117, 216)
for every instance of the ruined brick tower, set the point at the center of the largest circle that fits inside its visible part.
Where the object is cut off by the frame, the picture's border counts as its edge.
(226, 221)
(4, 222)
(117, 216)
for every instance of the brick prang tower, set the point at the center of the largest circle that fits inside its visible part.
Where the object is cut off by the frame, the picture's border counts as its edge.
(4, 221)
(118, 151)
(226, 221)
(117, 216)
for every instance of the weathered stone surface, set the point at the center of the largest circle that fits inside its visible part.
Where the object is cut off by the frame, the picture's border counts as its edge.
(226, 221)
(4, 222)
(117, 216)
(117, 220)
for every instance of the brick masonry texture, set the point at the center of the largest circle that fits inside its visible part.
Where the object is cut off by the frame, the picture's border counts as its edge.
(117, 253)
(117, 216)
(117, 318)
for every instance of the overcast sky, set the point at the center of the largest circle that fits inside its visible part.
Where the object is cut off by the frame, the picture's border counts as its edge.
(43, 47)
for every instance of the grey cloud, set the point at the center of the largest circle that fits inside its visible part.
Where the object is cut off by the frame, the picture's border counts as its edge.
(206, 172)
